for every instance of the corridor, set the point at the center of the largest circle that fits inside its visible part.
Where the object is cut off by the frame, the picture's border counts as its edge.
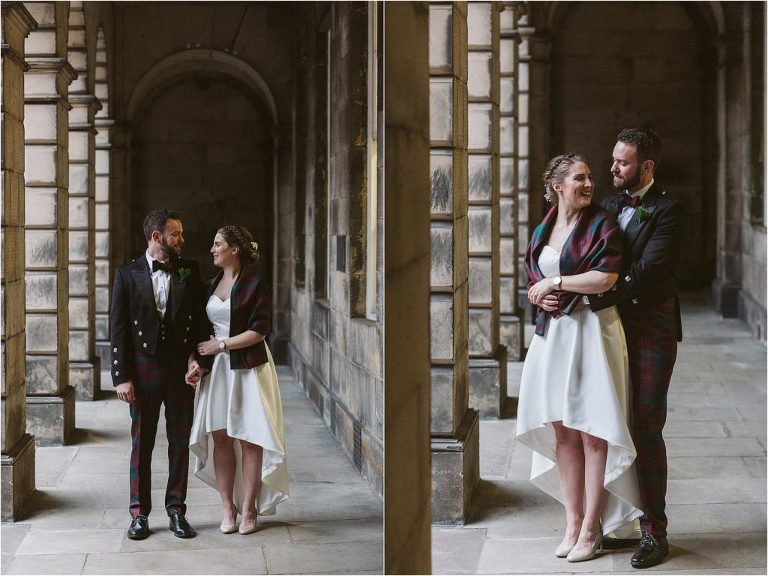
(332, 522)
(716, 502)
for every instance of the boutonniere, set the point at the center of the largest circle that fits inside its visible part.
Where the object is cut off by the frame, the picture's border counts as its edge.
(644, 213)
(183, 273)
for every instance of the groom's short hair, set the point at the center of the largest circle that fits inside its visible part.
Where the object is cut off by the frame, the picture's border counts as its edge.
(646, 141)
(156, 220)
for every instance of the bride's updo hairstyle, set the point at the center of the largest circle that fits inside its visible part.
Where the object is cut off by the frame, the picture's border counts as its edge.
(556, 171)
(239, 237)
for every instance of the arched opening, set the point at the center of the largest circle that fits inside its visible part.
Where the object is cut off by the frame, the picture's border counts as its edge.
(203, 143)
(611, 68)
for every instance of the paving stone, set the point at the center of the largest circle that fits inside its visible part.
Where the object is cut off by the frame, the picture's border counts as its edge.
(715, 491)
(684, 429)
(63, 542)
(714, 447)
(324, 559)
(190, 561)
(47, 564)
(208, 536)
(756, 466)
(533, 556)
(13, 534)
(708, 467)
(366, 529)
(709, 518)
(456, 551)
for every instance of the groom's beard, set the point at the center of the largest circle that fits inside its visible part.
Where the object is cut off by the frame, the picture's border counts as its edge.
(168, 250)
(620, 184)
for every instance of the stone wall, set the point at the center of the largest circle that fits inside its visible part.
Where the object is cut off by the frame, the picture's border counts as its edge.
(335, 349)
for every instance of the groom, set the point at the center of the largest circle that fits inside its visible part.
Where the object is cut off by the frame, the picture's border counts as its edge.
(653, 225)
(157, 317)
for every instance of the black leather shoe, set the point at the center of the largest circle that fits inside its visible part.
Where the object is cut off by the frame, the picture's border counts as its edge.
(651, 552)
(610, 543)
(179, 526)
(139, 528)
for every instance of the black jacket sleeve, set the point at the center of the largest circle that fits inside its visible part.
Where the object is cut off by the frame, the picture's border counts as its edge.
(119, 318)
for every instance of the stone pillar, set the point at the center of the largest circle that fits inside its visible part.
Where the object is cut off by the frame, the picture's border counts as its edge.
(407, 478)
(18, 447)
(529, 103)
(50, 399)
(84, 365)
(512, 107)
(455, 427)
(487, 359)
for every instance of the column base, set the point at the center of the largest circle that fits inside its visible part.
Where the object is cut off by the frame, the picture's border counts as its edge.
(488, 384)
(52, 418)
(18, 478)
(85, 377)
(512, 335)
(456, 472)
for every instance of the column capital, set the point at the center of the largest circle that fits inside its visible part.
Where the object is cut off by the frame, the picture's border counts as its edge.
(52, 65)
(14, 56)
(16, 14)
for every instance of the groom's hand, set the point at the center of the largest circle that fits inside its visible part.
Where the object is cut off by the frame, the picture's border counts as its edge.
(125, 392)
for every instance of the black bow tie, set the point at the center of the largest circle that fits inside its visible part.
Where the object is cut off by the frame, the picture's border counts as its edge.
(627, 200)
(164, 266)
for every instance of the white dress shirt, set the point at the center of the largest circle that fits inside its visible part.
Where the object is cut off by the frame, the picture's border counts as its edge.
(627, 212)
(161, 285)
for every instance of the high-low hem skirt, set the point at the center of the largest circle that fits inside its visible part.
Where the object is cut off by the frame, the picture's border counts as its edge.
(578, 373)
(246, 403)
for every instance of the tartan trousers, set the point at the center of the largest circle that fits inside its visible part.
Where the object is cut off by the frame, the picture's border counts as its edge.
(160, 380)
(651, 333)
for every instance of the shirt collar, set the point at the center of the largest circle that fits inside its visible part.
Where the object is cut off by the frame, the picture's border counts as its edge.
(640, 192)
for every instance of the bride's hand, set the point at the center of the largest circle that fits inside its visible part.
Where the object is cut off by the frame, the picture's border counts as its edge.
(209, 347)
(538, 291)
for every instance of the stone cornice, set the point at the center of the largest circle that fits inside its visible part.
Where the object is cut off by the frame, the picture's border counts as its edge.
(83, 100)
(16, 14)
(14, 56)
(58, 65)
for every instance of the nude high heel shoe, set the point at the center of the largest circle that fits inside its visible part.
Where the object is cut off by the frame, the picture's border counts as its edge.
(563, 549)
(581, 556)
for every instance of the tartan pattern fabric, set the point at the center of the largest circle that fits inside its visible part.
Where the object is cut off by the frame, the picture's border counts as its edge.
(594, 244)
(251, 309)
(652, 348)
(160, 380)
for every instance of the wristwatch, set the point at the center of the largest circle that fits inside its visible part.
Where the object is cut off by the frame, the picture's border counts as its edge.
(556, 281)
(222, 345)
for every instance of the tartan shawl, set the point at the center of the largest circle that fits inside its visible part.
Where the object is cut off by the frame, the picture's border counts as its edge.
(594, 244)
(251, 309)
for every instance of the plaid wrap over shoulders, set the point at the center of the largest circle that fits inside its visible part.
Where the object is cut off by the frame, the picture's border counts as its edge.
(594, 244)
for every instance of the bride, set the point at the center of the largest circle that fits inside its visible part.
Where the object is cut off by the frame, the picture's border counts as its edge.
(574, 389)
(238, 402)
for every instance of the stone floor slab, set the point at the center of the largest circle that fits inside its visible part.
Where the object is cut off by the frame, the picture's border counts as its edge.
(533, 556)
(715, 518)
(324, 559)
(64, 542)
(456, 551)
(201, 561)
(366, 529)
(47, 564)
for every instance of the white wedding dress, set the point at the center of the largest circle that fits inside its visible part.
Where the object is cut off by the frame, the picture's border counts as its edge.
(247, 404)
(578, 373)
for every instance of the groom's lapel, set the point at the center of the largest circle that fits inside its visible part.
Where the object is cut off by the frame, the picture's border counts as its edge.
(144, 282)
(178, 289)
(635, 226)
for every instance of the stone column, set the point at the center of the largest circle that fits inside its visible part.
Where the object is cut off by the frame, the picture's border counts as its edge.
(513, 106)
(527, 206)
(50, 399)
(407, 478)
(487, 359)
(455, 427)
(18, 447)
(84, 365)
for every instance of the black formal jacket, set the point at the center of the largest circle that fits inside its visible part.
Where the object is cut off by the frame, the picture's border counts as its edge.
(136, 324)
(250, 309)
(652, 251)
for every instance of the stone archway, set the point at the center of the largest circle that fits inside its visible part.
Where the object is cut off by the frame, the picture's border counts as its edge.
(203, 141)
